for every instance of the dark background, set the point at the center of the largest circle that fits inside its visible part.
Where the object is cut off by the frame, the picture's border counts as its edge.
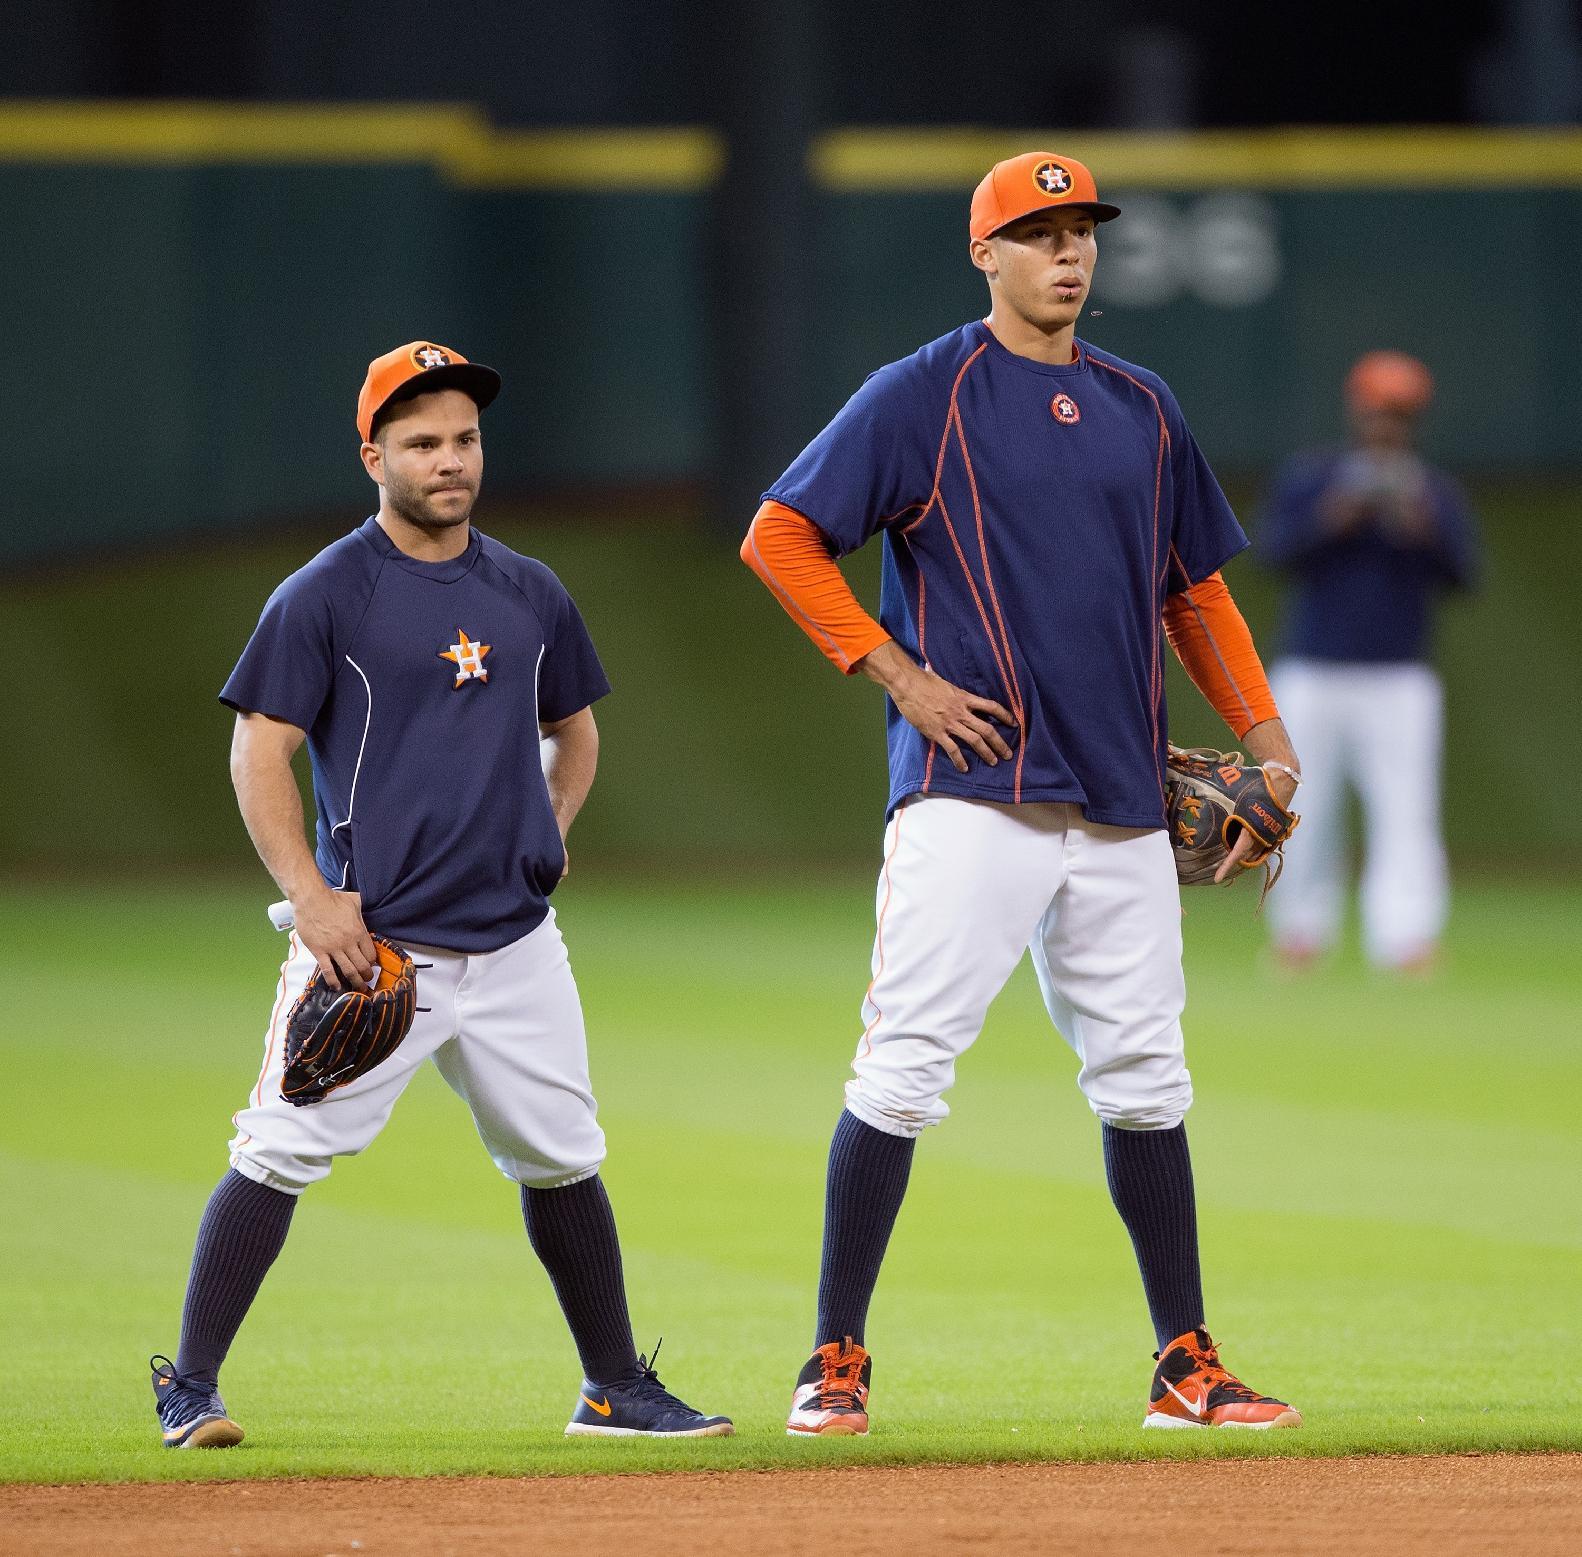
(1101, 64)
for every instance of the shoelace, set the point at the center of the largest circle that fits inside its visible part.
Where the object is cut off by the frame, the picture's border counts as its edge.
(1215, 1375)
(194, 1395)
(647, 1385)
(837, 1390)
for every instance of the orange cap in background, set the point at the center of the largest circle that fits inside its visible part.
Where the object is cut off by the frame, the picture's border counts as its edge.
(390, 376)
(1389, 381)
(1034, 181)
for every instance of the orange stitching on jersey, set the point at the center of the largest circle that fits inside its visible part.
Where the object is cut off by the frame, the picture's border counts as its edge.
(944, 440)
(950, 529)
(936, 496)
(274, 1016)
(1156, 669)
(789, 603)
(977, 599)
(891, 518)
(922, 649)
(1015, 689)
(884, 908)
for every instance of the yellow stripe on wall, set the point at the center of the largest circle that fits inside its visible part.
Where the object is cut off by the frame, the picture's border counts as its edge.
(468, 150)
(893, 161)
(459, 141)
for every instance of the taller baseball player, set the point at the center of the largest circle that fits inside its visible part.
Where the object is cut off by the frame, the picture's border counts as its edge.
(1044, 508)
(444, 686)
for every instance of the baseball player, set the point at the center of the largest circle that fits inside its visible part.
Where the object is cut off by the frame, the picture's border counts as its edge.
(443, 685)
(1371, 537)
(1044, 509)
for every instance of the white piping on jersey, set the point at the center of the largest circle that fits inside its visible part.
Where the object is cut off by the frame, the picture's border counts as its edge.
(538, 665)
(351, 800)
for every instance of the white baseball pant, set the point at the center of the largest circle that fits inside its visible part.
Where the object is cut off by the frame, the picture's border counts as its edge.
(504, 1029)
(1378, 728)
(967, 886)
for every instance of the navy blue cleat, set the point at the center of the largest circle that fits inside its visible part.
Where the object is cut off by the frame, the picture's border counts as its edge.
(191, 1414)
(640, 1407)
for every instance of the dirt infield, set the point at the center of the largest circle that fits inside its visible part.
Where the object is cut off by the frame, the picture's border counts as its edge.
(1510, 1504)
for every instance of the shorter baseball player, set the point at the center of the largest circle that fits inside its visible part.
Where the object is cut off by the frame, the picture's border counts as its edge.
(443, 685)
(1372, 537)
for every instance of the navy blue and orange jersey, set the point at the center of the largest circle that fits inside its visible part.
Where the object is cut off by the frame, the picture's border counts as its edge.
(1366, 596)
(421, 686)
(1035, 517)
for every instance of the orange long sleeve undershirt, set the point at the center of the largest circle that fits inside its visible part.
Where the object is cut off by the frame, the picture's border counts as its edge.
(789, 554)
(1210, 638)
(1203, 626)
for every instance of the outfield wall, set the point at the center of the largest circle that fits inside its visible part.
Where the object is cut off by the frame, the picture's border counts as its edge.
(199, 287)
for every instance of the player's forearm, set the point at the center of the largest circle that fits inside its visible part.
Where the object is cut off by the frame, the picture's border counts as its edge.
(271, 806)
(1211, 639)
(786, 551)
(570, 754)
(889, 665)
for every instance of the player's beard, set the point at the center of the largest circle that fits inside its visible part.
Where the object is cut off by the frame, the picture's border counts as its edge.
(413, 504)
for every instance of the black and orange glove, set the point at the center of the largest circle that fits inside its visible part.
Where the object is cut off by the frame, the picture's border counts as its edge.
(1210, 796)
(333, 1035)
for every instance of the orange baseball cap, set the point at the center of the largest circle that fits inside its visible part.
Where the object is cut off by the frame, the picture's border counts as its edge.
(1034, 181)
(1389, 381)
(418, 368)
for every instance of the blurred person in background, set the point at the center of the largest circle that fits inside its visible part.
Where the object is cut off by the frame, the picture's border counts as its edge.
(1370, 536)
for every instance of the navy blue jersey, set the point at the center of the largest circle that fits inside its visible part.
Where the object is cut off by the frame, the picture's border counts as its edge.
(1034, 518)
(421, 686)
(1366, 596)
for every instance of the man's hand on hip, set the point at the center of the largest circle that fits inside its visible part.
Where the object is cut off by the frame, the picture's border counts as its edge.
(937, 709)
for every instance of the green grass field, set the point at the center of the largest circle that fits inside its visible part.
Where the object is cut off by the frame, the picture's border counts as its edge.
(1388, 1175)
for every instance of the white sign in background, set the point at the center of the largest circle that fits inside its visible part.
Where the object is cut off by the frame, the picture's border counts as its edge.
(1222, 249)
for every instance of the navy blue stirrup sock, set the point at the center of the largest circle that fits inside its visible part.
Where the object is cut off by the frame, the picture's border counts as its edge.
(1150, 1178)
(868, 1170)
(572, 1230)
(243, 1228)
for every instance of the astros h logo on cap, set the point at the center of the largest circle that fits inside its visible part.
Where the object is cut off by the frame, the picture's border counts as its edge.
(1051, 178)
(1034, 181)
(416, 369)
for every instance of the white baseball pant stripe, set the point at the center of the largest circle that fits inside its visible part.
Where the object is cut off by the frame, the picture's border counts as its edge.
(504, 1029)
(1378, 728)
(967, 887)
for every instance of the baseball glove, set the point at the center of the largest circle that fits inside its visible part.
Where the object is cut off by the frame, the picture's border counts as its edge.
(334, 1035)
(1209, 797)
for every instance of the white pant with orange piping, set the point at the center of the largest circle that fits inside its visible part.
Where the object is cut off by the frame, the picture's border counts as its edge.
(504, 1028)
(967, 887)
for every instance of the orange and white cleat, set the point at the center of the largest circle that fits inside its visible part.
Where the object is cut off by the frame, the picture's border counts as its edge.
(831, 1397)
(1193, 1389)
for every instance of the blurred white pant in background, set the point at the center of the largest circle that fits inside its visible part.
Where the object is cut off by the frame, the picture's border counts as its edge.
(1379, 730)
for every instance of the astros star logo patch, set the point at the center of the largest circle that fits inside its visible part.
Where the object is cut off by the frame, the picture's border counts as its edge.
(1052, 178)
(467, 657)
(1066, 410)
(431, 357)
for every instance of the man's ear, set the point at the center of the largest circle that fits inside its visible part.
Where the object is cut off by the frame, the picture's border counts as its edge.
(981, 252)
(373, 456)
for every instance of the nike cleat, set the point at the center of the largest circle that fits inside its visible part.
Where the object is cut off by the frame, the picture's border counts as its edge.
(1192, 1389)
(831, 1398)
(640, 1407)
(191, 1414)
